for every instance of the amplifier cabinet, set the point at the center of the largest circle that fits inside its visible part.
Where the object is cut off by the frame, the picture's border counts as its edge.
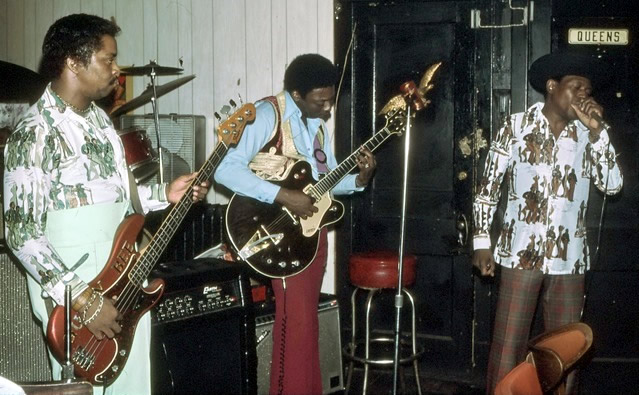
(330, 347)
(23, 350)
(202, 333)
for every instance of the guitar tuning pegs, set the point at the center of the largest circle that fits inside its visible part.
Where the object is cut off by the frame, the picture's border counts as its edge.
(225, 110)
(217, 116)
(232, 103)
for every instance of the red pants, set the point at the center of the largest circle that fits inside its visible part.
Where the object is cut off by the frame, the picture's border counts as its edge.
(295, 368)
(519, 290)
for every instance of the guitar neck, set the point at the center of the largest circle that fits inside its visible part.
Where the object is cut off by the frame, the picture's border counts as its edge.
(331, 179)
(172, 222)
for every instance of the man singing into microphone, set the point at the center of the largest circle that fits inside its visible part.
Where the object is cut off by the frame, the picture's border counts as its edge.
(550, 154)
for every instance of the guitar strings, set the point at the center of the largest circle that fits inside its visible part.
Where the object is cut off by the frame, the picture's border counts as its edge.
(132, 290)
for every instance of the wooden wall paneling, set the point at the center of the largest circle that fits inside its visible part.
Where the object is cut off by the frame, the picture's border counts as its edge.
(301, 17)
(130, 40)
(279, 46)
(325, 34)
(150, 47)
(15, 32)
(202, 59)
(128, 15)
(259, 65)
(32, 48)
(4, 15)
(65, 7)
(185, 52)
(43, 19)
(93, 7)
(229, 55)
(167, 23)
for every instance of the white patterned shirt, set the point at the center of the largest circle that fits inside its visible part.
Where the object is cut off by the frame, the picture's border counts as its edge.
(544, 224)
(57, 159)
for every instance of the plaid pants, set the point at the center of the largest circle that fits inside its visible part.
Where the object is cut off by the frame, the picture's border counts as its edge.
(519, 291)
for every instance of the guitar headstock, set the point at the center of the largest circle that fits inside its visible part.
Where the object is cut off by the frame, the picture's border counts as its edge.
(395, 121)
(230, 130)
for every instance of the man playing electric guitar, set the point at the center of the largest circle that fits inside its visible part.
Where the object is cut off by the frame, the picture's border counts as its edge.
(290, 127)
(66, 188)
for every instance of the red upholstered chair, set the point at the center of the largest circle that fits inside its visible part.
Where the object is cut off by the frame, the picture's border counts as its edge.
(556, 352)
(373, 272)
(522, 380)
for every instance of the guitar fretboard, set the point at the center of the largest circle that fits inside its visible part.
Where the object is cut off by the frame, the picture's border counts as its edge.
(336, 175)
(172, 222)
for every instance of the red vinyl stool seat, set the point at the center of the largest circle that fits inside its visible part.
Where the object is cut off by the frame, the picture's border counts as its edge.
(371, 270)
(374, 272)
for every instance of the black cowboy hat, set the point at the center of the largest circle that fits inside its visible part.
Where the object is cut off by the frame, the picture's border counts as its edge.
(567, 62)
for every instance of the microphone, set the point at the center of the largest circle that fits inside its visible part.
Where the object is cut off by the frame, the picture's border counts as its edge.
(603, 123)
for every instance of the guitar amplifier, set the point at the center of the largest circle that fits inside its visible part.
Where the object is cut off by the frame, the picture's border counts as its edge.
(330, 348)
(203, 329)
(182, 138)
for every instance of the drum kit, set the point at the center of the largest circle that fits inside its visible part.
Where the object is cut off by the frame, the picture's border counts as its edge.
(143, 161)
(20, 85)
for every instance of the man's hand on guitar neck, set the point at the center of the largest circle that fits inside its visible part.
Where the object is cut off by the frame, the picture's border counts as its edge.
(296, 202)
(366, 163)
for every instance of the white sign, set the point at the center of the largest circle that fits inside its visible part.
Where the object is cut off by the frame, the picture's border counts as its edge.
(598, 36)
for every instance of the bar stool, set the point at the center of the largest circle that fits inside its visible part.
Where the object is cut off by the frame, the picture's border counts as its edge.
(374, 272)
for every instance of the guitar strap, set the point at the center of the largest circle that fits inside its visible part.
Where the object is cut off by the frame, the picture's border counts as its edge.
(135, 197)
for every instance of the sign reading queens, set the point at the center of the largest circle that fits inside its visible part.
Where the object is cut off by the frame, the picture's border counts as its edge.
(598, 36)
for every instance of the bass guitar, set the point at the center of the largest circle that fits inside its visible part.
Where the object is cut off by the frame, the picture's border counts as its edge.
(122, 279)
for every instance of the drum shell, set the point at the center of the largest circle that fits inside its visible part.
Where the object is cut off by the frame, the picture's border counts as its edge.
(139, 153)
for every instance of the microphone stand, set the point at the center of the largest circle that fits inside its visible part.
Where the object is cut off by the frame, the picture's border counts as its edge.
(67, 368)
(399, 297)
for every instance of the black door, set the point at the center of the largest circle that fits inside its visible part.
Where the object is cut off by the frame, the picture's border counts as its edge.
(395, 43)
(612, 303)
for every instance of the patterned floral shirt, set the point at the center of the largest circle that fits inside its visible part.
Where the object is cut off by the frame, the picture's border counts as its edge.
(544, 225)
(57, 159)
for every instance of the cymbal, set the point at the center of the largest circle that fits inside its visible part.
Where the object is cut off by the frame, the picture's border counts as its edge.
(20, 84)
(149, 68)
(147, 95)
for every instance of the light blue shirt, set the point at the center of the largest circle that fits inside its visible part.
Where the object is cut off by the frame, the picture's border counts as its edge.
(234, 173)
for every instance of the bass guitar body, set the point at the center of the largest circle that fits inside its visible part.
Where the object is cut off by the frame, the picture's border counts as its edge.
(101, 361)
(273, 241)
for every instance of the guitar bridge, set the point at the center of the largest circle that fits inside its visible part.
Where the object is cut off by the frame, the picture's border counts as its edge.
(257, 243)
(83, 359)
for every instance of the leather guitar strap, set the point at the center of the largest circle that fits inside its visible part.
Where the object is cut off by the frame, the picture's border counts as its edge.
(135, 198)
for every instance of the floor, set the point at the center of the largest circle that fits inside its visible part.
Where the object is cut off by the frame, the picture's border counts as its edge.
(380, 382)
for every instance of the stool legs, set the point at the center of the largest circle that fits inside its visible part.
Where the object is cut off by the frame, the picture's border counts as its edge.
(349, 376)
(367, 341)
(414, 340)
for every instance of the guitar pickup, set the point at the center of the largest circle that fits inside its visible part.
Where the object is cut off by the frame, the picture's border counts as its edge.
(258, 243)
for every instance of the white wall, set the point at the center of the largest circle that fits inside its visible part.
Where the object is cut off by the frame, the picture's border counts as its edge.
(232, 46)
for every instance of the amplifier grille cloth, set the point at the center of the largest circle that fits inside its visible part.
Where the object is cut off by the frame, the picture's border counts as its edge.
(23, 355)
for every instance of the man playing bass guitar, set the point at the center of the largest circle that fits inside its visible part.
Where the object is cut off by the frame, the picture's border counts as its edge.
(66, 188)
(290, 127)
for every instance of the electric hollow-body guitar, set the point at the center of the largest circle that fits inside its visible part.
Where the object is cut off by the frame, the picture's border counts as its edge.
(277, 243)
(122, 279)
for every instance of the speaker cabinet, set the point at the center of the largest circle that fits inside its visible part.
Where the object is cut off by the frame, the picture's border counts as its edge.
(330, 347)
(182, 138)
(23, 354)
(202, 333)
